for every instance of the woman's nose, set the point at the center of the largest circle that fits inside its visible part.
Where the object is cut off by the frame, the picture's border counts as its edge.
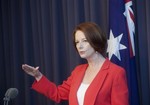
(80, 45)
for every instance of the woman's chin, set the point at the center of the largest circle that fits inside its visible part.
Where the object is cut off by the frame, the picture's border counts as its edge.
(82, 56)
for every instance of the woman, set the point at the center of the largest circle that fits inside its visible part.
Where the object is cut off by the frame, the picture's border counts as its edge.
(99, 82)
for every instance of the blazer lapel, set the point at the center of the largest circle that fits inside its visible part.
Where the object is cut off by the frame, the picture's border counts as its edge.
(76, 83)
(96, 85)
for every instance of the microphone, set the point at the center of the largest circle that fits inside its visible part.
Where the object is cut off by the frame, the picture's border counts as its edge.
(11, 93)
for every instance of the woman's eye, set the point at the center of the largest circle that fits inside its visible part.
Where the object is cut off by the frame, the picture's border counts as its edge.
(76, 42)
(82, 41)
(85, 40)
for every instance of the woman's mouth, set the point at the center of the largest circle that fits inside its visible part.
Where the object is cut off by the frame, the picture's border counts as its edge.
(81, 52)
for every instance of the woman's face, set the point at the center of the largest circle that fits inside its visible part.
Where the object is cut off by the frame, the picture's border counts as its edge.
(84, 48)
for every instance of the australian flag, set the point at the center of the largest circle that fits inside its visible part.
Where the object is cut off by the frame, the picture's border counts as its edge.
(121, 48)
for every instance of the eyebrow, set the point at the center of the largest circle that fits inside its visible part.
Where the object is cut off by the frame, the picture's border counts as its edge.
(81, 39)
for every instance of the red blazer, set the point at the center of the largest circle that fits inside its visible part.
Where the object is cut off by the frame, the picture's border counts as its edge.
(109, 87)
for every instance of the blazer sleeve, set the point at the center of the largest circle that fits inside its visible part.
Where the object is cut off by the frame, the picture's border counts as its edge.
(120, 95)
(50, 90)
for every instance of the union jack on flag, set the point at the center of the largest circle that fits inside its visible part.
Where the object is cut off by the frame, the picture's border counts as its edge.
(121, 48)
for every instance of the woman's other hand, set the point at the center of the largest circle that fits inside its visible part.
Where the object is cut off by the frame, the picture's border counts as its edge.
(33, 71)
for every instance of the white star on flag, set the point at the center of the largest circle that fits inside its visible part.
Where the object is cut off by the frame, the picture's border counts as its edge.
(114, 45)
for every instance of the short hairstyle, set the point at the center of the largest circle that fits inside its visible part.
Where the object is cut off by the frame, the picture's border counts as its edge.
(94, 35)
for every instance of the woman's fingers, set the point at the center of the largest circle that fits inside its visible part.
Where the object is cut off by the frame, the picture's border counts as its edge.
(33, 71)
(37, 68)
(29, 69)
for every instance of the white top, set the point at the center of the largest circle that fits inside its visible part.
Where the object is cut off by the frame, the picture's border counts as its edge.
(81, 93)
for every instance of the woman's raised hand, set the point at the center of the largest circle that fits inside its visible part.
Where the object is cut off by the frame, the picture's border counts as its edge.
(33, 71)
